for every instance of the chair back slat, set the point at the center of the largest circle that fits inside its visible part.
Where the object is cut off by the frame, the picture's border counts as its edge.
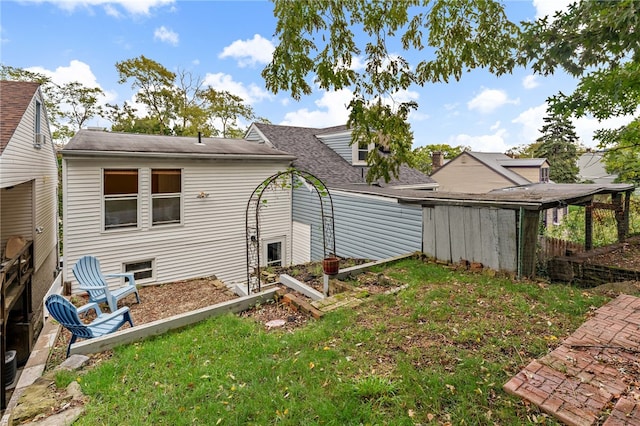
(87, 272)
(66, 314)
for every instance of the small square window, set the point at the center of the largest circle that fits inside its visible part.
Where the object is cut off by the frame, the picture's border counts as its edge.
(142, 270)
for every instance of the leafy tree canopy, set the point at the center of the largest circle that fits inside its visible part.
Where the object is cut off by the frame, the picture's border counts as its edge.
(599, 42)
(421, 157)
(316, 38)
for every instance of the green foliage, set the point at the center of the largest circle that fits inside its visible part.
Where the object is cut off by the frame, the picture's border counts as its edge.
(421, 157)
(434, 353)
(559, 145)
(317, 38)
(605, 229)
(623, 156)
(596, 41)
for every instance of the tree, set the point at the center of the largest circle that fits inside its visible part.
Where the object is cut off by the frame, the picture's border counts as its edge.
(421, 157)
(176, 103)
(154, 88)
(69, 106)
(227, 108)
(559, 145)
(598, 42)
(317, 38)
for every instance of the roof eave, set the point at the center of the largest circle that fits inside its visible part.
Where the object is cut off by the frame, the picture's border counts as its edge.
(185, 155)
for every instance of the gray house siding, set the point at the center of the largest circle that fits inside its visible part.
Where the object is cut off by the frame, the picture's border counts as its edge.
(365, 227)
(340, 143)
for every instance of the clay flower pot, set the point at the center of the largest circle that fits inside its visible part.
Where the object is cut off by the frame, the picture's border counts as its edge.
(330, 265)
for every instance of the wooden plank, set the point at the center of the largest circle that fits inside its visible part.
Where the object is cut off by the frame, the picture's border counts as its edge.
(489, 237)
(429, 231)
(457, 234)
(472, 236)
(529, 243)
(507, 240)
(443, 237)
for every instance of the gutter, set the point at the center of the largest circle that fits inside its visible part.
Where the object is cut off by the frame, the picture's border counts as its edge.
(172, 155)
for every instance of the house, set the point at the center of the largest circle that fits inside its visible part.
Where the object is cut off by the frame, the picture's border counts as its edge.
(474, 172)
(168, 208)
(366, 226)
(28, 213)
(591, 168)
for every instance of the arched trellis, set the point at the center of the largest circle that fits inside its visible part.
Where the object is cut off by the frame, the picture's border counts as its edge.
(281, 181)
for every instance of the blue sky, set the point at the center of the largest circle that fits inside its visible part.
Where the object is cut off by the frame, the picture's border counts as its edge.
(227, 43)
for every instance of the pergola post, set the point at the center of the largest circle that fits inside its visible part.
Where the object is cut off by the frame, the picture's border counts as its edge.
(588, 227)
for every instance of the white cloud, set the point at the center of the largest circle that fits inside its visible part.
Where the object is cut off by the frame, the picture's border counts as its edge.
(250, 94)
(495, 126)
(135, 7)
(585, 126)
(332, 111)
(486, 143)
(76, 71)
(531, 121)
(549, 7)
(257, 50)
(530, 82)
(166, 35)
(489, 100)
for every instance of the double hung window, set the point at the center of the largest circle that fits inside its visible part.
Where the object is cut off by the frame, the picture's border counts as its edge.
(120, 192)
(166, 196)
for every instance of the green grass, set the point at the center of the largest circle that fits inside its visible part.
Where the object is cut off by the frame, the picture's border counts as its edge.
(434, 353)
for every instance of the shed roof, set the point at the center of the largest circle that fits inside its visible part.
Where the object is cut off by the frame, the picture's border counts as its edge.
(535, 196)
(314, 156)
(15, 97)
(102, 143)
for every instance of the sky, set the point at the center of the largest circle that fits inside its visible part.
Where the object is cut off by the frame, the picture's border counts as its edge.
(228, 43)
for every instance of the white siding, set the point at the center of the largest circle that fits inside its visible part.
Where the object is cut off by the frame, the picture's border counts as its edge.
(16, 212)
(21, 162)
(301, 245)
(211, 238)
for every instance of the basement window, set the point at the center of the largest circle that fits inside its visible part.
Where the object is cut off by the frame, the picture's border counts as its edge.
(142, 270)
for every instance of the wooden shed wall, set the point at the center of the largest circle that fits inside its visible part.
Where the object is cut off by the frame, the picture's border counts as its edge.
(484, 235)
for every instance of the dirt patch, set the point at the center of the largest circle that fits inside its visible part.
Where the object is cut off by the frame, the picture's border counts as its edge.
(626, 256)
(166, 300)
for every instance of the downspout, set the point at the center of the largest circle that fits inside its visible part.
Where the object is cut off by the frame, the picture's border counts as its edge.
(520, 243)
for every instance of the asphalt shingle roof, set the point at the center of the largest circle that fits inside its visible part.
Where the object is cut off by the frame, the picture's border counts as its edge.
(94, 141)
(313, 156)
(15, 97)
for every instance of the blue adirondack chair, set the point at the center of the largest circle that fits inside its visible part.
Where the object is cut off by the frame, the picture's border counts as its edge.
(67, 315)
(91, 280)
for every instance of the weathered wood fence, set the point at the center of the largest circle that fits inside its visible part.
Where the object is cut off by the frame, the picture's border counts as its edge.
(555, 247)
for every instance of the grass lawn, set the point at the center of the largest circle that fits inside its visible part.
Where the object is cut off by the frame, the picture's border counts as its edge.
(435, 353)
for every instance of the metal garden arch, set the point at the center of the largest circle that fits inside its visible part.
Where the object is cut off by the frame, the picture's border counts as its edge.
(289, 179)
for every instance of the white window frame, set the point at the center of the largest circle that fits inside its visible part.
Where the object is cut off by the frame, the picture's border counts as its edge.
(132, 196)
(283, 251)
(544, 177)
(178, 195)
(152, 278)
(355, 151)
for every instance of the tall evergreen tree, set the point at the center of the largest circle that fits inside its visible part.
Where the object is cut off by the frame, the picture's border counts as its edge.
(559, 144)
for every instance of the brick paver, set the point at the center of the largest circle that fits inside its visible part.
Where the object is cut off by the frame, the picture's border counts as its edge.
(588, 378)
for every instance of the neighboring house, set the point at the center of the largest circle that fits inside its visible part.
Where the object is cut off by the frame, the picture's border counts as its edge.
(480, 172)
(28, 209)
(592, 170)
(366, 226)
(474, 172)
(168, 208)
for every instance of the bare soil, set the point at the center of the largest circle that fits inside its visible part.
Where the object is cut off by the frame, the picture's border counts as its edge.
(627, 256)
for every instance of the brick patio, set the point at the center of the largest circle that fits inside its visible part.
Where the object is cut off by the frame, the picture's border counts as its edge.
(593, 377)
